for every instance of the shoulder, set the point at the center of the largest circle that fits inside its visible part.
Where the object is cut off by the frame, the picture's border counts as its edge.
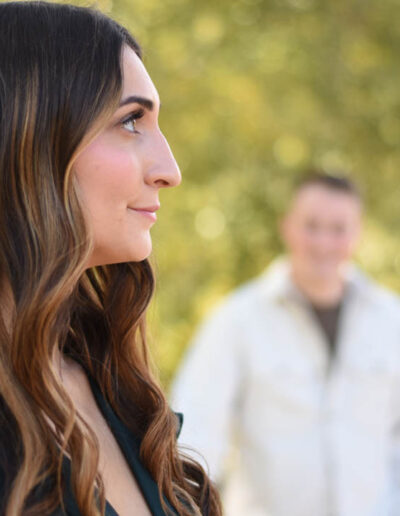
(238, 302)
(380, 298)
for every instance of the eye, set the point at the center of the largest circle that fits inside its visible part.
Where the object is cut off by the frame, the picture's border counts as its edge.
(129, 123)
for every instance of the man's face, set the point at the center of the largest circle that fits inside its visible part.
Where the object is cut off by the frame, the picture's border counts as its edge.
(321, 230)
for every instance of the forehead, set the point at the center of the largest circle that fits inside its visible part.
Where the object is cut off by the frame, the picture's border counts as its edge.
(320, 201)
(136, 80)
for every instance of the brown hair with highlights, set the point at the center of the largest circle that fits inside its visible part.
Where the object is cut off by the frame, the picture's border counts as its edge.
(60, 79)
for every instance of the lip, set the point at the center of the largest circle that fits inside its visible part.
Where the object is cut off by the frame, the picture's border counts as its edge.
(147, 211)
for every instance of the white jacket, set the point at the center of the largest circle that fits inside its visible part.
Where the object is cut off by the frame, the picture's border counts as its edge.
(316, 437)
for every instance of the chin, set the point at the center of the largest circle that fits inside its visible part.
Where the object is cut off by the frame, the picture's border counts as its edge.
(140, 252)
(139, 257)
(136, 253)
(326, 270)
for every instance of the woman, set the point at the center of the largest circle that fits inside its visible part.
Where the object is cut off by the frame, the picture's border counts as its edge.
(85, 429)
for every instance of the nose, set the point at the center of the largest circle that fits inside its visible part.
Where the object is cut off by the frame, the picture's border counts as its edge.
(162, 171)
(325, 243)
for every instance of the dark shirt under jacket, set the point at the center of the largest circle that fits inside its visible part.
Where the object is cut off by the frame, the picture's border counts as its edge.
(328, 319)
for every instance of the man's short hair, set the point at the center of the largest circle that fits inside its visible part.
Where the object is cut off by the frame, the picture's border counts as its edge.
(338, 183)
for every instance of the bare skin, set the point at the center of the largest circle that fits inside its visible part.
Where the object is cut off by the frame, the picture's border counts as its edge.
(121, 488)
(321, 231)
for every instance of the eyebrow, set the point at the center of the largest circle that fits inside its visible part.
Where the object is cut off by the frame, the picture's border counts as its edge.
(147, 103)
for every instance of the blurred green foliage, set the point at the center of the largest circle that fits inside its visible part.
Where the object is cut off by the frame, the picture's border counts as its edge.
(253, 92)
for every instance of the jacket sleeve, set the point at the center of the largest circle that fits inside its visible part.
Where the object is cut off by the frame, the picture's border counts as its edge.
(206, 391)
(391, 503)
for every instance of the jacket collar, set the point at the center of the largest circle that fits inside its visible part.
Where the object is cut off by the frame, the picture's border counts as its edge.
(276, 282)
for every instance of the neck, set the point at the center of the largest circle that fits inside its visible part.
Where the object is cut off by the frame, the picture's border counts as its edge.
(320, 291)
(62, 364)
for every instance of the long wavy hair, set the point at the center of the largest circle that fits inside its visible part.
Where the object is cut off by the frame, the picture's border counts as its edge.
(60, 79)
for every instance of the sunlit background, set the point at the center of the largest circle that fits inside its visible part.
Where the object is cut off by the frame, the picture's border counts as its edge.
(253, 92)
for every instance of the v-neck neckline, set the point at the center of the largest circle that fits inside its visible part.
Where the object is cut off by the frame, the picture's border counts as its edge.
(130, 447)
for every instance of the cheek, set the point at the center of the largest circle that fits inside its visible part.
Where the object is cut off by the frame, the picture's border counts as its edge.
(304, 241)
(346, 246)
(106, 175)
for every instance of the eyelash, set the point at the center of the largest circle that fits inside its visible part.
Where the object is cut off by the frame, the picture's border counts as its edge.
(133, 117)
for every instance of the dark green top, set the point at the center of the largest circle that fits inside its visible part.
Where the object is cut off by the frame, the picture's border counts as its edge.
(129, 445)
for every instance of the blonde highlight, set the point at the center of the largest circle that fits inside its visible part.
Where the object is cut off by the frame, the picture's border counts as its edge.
(50, 110)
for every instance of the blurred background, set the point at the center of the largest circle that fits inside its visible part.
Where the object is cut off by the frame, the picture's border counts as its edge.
(253, 92)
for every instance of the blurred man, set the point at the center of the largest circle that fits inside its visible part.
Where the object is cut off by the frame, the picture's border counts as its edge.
(301, 368)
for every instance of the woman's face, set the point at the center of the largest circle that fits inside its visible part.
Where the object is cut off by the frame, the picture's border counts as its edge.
(121, 171)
